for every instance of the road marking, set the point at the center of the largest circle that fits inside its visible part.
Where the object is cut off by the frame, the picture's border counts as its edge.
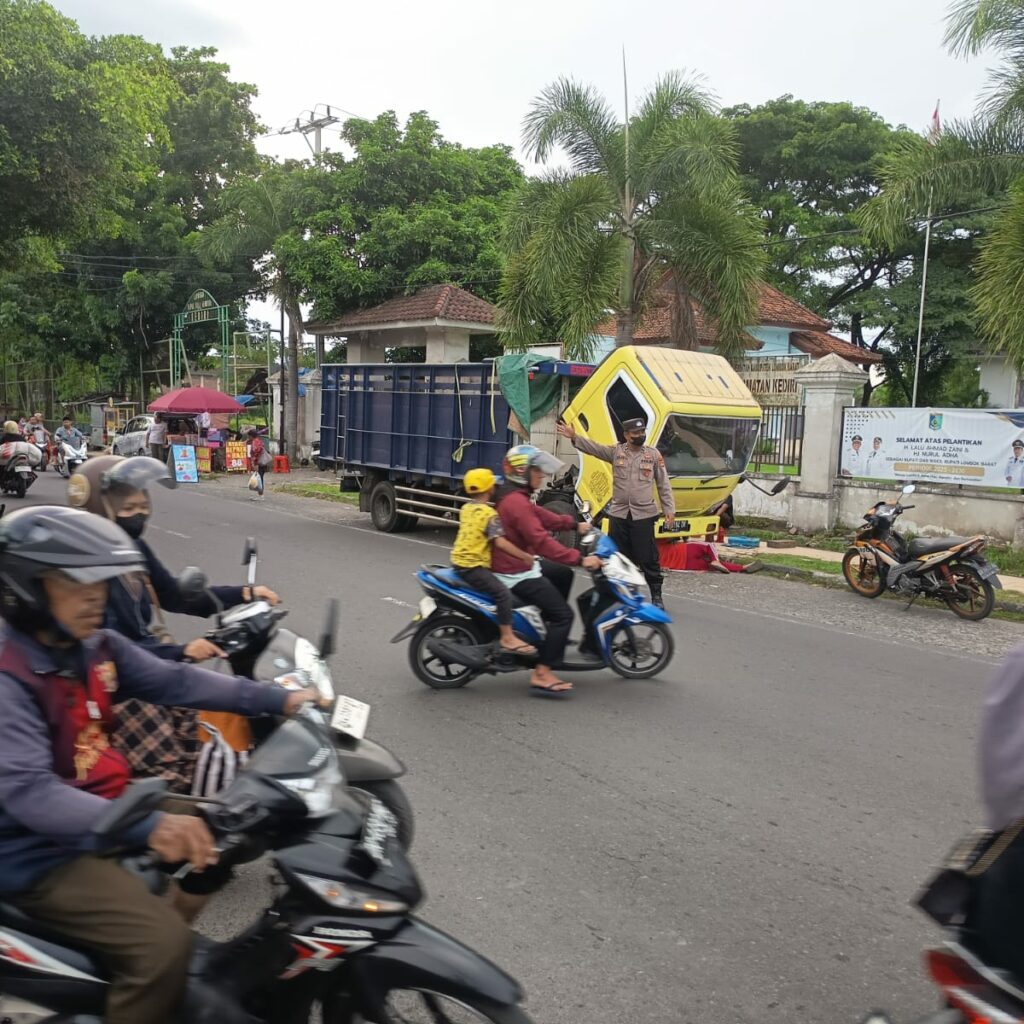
(174, 533)
(401, 604)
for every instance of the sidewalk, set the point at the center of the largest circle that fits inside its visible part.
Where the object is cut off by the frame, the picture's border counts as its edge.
(1010, 583)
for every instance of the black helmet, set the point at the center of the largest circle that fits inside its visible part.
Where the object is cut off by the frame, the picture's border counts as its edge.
(48, 538)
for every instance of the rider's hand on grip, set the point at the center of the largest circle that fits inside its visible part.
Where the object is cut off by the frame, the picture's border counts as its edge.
(584, 528)
(591, 562)
(181, 837)
(202, 650)
(310, 695)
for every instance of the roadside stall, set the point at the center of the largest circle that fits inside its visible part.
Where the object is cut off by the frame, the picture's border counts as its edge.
(198, 450)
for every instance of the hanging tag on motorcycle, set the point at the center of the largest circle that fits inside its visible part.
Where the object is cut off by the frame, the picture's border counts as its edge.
(350, 717)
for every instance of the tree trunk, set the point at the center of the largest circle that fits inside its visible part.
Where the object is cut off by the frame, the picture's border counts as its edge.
(292, 410)
(624, 326)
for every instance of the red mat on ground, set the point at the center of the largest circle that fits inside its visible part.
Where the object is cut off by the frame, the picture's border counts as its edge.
(692, 556)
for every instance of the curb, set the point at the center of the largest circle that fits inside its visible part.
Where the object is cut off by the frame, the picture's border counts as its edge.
(831, 580)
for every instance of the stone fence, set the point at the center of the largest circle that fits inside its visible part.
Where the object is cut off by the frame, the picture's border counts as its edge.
(818, 499)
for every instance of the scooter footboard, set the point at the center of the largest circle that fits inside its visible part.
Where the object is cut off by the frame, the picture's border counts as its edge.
(422, 957)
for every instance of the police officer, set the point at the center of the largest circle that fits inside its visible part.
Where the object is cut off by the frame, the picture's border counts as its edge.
(1014, 471)
(637, 469)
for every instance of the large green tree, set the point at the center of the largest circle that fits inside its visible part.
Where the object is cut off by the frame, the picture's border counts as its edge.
(82, 124)
(975, 163)
(643, 202)
(404, 210)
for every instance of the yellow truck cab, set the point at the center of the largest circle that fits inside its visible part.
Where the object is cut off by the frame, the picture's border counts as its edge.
(699, 414)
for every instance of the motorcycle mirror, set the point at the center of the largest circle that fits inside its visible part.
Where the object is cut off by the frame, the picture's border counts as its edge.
(780, 486)
(330, 629)
(909, 489)
(137, 803)
(250, 556)
(585, 508)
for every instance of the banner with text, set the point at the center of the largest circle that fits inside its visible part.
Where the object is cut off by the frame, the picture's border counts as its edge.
(979, 447)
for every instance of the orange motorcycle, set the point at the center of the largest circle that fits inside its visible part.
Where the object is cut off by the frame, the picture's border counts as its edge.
(949, 569)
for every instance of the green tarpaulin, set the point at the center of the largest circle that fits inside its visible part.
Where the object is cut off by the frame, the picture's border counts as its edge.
(528, 399)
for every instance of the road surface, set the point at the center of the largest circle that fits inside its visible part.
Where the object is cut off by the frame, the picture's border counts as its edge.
(735, 843)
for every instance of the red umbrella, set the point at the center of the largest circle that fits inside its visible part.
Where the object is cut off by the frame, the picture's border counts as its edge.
(190, 401)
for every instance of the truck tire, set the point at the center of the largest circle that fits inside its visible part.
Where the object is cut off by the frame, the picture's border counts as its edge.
(561, 507)
(384, 510)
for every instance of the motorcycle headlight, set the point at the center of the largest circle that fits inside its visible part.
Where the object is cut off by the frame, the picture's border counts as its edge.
(319, 792)
(308, 660)
(347, 897)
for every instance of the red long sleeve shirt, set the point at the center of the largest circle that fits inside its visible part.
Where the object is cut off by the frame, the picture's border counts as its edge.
(528, 526)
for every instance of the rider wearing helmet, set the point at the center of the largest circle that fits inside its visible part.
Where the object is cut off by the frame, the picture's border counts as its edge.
(59, 675)
(528, 526)
(156, 741)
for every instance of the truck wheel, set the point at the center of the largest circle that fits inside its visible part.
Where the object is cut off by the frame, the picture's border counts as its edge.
(560, 507)
(384, 510)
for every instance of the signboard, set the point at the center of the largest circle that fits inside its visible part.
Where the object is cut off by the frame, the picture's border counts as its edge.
(185, 469)
(772, 379)
(204, 460)
(235, 456)
(201, 306)
(976, 447)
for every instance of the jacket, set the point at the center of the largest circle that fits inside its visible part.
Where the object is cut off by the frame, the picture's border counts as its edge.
(528, 526)
(130, 608)
(46, 817)
(635, 474)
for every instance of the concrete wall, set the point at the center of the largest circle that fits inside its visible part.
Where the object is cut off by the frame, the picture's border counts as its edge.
(1001, 381)
(775, 340)
(939, 511)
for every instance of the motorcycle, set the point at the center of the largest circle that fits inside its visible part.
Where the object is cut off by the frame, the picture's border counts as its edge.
(973, 992)
(339, 943)
(454, 634)
(257, 648)
(18, 461)
(948, 569)
(68, 458)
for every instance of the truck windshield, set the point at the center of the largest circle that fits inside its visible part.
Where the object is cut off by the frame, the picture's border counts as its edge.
(704, 445)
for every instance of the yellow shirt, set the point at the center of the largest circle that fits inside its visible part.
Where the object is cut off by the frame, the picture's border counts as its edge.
(478, 526)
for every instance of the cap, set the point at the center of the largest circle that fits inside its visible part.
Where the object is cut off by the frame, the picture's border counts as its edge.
(856, 437)
(637, 423)
(479, 481)
(1018, 443)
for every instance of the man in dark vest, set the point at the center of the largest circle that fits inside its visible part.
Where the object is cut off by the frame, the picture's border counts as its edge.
(59, 675)
(637, 469)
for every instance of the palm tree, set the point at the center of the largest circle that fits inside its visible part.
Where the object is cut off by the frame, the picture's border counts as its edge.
(651, 202)
(259, 219)
(970, 164)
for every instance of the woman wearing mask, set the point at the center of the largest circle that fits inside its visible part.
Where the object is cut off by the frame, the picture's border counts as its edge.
(157, 741)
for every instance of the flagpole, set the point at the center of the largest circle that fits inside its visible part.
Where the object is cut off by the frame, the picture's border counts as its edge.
(924, 285)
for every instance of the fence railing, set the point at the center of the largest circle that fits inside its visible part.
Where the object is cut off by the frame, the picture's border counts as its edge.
(781, 441)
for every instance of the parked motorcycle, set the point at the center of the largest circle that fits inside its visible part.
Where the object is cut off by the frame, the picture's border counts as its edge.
(340, 940)
(258, 648)
(948, 569)
(455, 633)
(68, 458)
(18, 462)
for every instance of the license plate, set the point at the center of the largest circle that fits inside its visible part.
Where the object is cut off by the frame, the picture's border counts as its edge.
(427, 607)
(22, 469)
(987, 571)
(350, 717)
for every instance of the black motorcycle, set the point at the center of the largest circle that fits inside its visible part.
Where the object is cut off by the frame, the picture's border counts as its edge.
(257, 648)
(949, 569)
(340, 939)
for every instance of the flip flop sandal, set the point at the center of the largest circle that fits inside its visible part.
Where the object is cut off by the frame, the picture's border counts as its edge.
(522, 648)
(550, 692)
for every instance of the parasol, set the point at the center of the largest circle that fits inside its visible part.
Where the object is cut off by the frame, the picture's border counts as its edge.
(191, 401)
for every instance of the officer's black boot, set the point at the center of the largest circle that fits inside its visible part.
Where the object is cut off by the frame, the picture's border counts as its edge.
(656, 595)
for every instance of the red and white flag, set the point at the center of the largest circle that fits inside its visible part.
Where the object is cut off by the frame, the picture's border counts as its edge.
(935, 128)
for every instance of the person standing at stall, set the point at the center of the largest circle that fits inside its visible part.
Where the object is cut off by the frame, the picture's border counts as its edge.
(637, 469)
(156, 438)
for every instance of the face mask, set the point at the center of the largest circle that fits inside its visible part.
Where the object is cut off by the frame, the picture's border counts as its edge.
(637, 442)
(134, 526)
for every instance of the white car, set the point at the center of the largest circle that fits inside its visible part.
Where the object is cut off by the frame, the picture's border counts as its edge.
(132, 440)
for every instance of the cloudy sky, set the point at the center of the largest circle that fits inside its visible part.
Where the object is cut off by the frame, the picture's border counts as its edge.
(475, 66)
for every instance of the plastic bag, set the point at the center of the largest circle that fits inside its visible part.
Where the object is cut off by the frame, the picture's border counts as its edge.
(254, 482)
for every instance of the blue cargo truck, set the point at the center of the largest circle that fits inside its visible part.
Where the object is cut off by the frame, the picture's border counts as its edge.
(405, 434)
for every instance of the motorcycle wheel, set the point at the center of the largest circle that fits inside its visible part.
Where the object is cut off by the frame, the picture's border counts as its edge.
(430, 669)
(862, 575)
(973, 598)
(393, 797)
(640, 652)
(19, 488)
(415, 1006)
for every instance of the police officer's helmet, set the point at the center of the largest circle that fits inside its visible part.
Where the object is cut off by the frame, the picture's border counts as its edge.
(50, 538)
(524, 457)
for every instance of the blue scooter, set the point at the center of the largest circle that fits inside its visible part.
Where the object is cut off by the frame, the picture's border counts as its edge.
(455, 633)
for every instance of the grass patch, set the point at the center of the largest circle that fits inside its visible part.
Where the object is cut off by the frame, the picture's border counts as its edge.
(800, 562)
(325, 492)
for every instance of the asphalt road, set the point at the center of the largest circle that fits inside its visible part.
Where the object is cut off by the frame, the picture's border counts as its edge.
(734, 843)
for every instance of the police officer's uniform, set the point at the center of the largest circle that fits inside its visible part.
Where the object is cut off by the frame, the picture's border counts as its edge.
(632, 512)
